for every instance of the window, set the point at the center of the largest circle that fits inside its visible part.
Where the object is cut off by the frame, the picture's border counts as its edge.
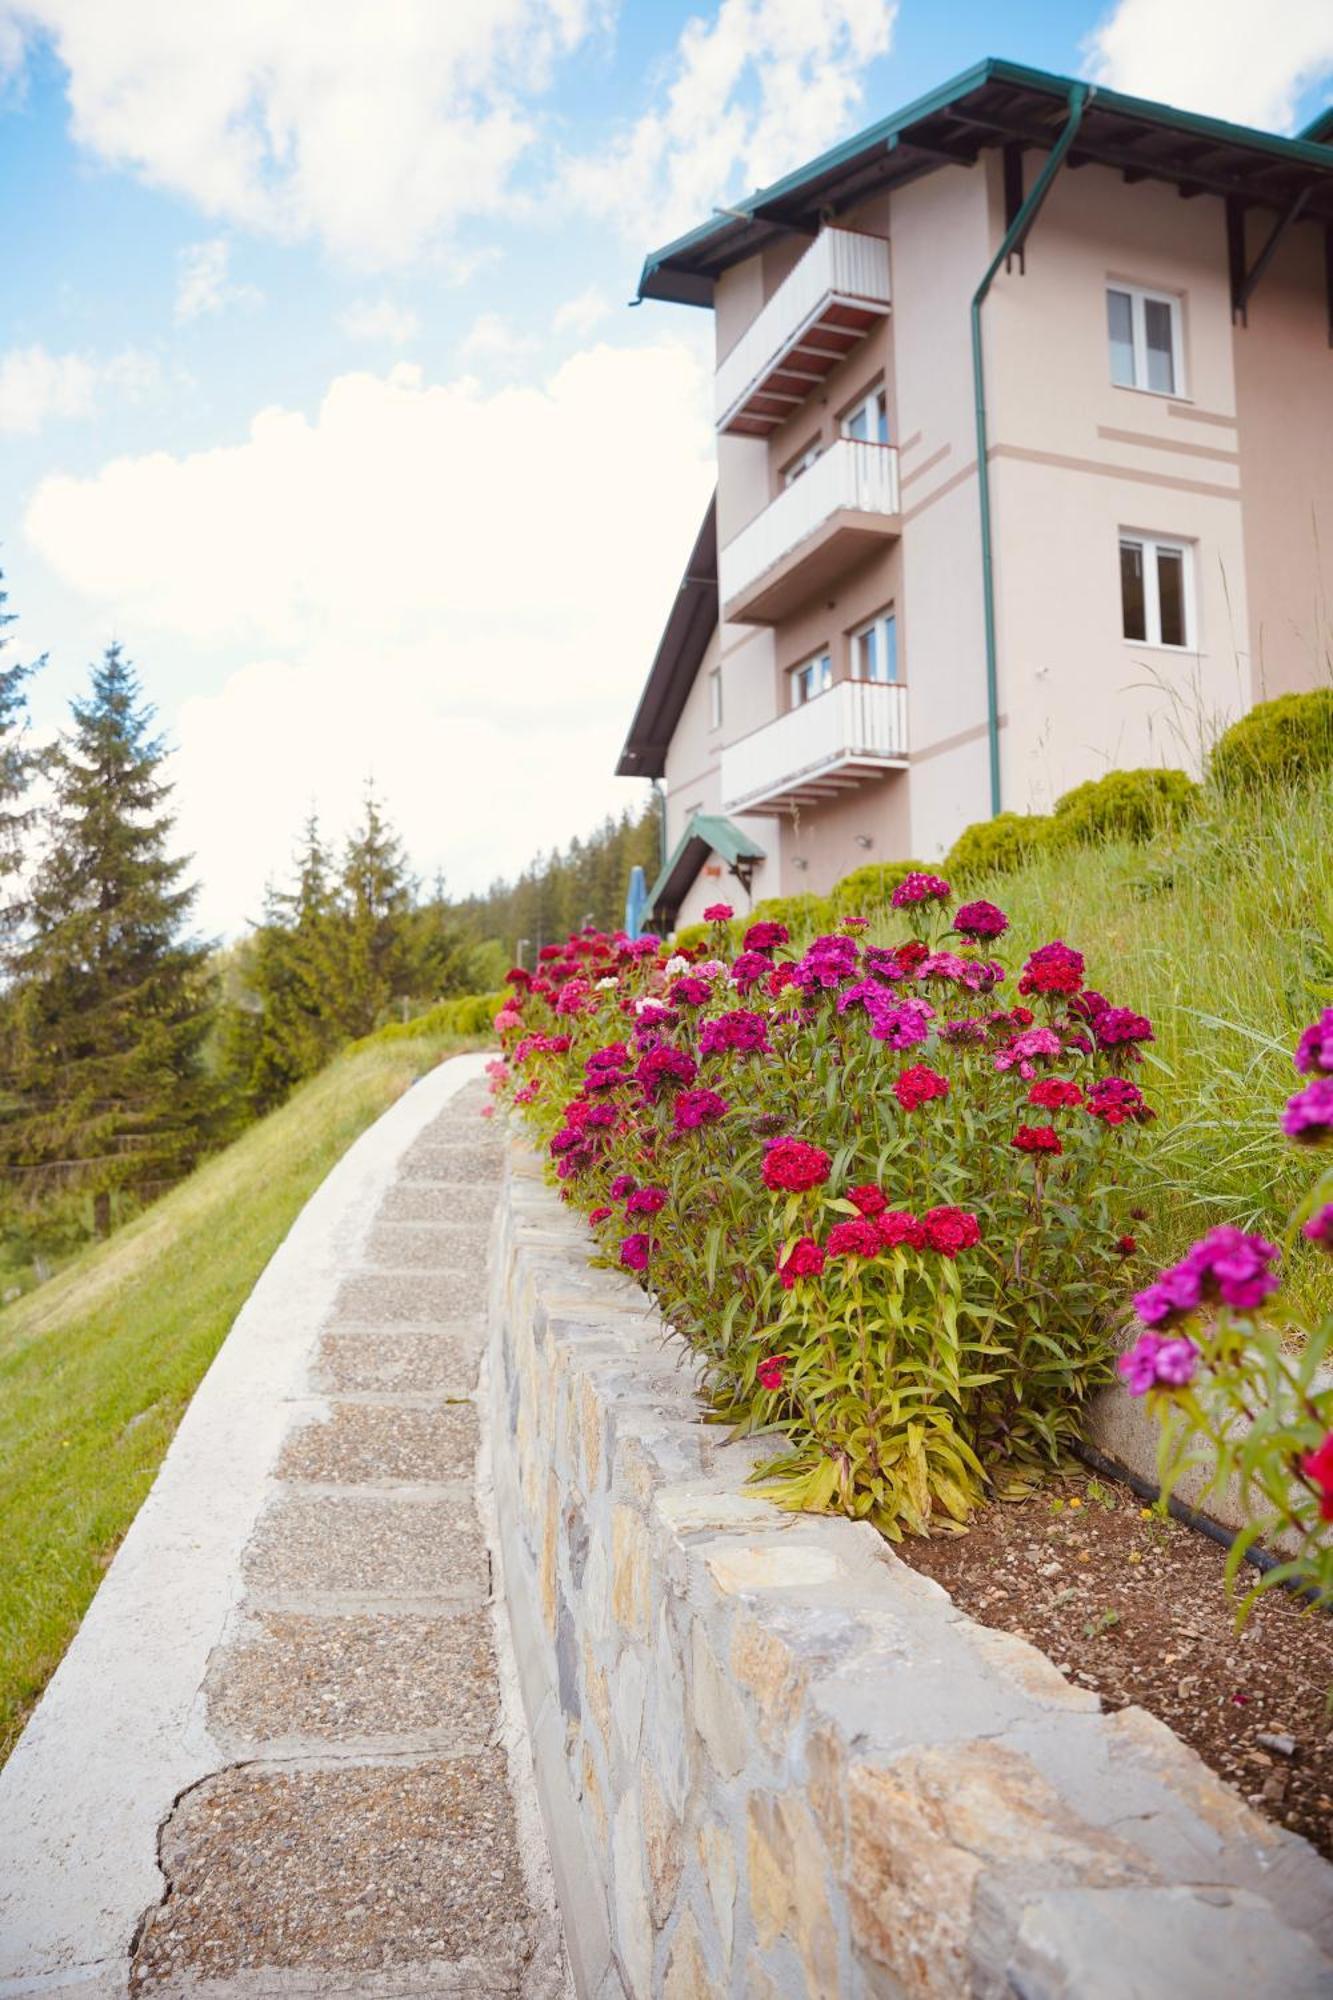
(812, 677)
(715, 698)
(791, 473)
(1144, 332)
(1156, 591)
(875, 649)
(869, 421)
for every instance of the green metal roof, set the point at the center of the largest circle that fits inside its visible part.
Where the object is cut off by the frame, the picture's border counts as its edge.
(990, 104)
(707, 833)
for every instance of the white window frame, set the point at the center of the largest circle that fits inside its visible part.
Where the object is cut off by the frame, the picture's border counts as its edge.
(872, 401)
(802, 462)
(1139, 296)
(715, 698)
(875, 624)
(823, 659)
(1153, 546)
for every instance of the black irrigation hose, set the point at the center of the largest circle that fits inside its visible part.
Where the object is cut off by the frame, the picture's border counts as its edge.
(1257, 1558)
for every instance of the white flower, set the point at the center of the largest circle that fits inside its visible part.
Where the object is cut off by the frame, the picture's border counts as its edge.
(675, 966)
(609, 984)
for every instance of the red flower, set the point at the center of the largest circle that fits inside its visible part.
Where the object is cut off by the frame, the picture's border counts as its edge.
(1053, 1093)
(856, 1237)
(1024, 1016)
(1127, 1245)
(917, 1085)
(793, 1165)
(1117, 1101)
(869, 1200)
(805, 1259)
(1037, 1139)
(1318, 1465)
(897, 1227)
(950, 1230)
(770, 1372)
(765, 937)
(719, 913)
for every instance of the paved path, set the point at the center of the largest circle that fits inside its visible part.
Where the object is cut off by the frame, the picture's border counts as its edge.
(362, 1823)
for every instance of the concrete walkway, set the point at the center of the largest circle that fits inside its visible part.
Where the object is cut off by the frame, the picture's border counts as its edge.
(283, 1756)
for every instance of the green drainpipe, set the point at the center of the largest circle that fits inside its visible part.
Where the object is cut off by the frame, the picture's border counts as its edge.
(1014, 237)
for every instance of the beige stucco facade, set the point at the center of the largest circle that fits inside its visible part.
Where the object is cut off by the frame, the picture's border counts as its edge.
(1235, 467)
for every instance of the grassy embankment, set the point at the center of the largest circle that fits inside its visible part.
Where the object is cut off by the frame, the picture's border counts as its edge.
(97, 1366)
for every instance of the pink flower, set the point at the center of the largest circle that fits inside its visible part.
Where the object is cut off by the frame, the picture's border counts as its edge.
(1314, 1051)
(920, 888)
(981, 920)
(1319, 1229)
(647, 1201)
(1033, 1045)
(1154, 1362)
(770, 1372)
(719, 913)
(635, 1252)
(508, 1019)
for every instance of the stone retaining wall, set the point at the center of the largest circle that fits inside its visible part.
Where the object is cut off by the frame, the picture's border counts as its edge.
(775, 1761)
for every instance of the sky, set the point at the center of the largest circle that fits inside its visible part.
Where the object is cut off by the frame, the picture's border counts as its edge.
(321, 392)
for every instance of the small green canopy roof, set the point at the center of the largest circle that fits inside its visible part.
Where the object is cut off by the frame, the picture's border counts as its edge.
(707, 833)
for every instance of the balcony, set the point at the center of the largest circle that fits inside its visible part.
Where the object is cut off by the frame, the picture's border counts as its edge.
(856, 731)
(839, 511)
(821, 310)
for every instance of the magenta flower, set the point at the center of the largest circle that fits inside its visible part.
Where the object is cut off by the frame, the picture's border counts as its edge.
(827, 963)
(902, 1024)
(920, 888)
(1117, 1101)
(749, 969)
(1319, 1229)
(1226, 1265)
(981, 920)
(691, 992)
(635, 1252)
(663, 1069)
(1033, 1045)
(698, 1107)
(740, 1031)
(1155, 1362)
(765, 937)
(719, 913)
(1308, 1117)
(1114, 1026)
(647, 1201)
(622, 1185)
(1314, 1051)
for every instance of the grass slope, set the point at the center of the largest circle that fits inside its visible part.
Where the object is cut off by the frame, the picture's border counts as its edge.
(97, 1366)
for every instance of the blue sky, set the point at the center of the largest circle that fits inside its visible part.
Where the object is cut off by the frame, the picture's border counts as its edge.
(319, 388)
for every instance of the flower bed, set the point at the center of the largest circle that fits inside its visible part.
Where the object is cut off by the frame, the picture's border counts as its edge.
(884, 1207)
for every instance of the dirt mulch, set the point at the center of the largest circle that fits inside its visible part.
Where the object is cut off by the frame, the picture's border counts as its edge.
(1135, 1607)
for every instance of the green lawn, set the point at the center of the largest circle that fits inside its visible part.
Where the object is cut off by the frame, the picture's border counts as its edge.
(97, 1366)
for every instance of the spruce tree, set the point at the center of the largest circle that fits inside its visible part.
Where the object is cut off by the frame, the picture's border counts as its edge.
(365, 956)
(110, 1001)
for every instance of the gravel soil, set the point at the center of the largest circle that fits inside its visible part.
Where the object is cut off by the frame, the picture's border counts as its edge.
(1135, 1606)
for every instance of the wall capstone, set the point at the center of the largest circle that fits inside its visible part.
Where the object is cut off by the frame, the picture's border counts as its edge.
(775, 1761)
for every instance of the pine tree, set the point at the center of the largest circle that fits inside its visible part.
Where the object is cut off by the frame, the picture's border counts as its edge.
(110, 1002)
(283, 1027)
(17, 767)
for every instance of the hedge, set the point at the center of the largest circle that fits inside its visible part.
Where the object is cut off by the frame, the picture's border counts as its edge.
(1291, 737)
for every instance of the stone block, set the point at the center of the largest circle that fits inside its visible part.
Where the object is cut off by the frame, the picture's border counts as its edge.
(663, 1847)
(789, 1891)
(717, 1864)
(631, 1571)
(764, 1567)
(686, 1976)
(632, 1929)
(715, 1708)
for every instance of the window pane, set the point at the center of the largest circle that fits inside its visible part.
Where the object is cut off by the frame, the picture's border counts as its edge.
(1131, 590)
(1171, 596)
(1161, 358)
(867, 649)
(823, 672)
(890, 648)
(881, 418)
(858, 424)
(1120, 327)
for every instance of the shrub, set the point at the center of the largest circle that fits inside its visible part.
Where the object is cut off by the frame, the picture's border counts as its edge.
(690, 935)
(867, 889)
(1277, 741)
(881, 1208)
(1123, 805)
(466, 1014)
(803, 915)
(996, 846)
(1218, 1363)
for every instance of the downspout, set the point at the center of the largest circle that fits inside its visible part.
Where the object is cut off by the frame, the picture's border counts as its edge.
(1014, 237)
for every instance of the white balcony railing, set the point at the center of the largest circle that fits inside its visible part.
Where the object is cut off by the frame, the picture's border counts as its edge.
(853, 731)
(831, 298)
(850, 477)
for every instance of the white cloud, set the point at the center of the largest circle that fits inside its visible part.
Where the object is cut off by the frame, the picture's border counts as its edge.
(380, 320)
(38, 387)
(1232, 58)
(492, 340)
(204, 284)
(752, 93)
(581, 314)
(372, 124)
(457, 590)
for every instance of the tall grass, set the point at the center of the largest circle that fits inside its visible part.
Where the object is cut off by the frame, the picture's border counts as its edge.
(97, 1366)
